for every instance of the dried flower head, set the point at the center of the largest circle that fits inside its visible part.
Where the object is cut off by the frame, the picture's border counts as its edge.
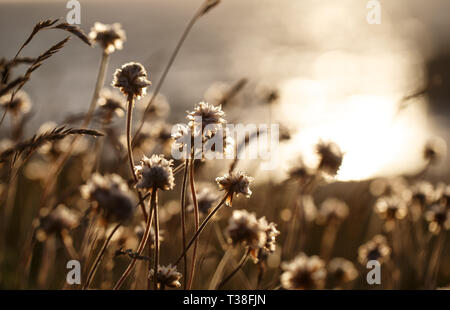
(391, 209)
(155, 172)
(109, 37)
(110, 103)
(375, 249)
(438, 218)
(206, 118)
(131, 79)
(111, 195)
(332, 210)
(330, 157)
(167, 276)
(21, 103)
(342, 270)
(243, 227)
(235, 182)
(303, 273)
(53, 221)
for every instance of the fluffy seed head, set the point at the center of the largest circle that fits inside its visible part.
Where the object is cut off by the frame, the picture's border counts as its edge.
(209, 115)
(109, 37)
(235, 183)
(243, 227)
(167, 276)
(155, 172)
(112, 196)
(303, 273)
(131, 79)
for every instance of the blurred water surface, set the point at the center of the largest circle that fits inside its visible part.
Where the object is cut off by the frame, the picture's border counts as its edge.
(340, 78)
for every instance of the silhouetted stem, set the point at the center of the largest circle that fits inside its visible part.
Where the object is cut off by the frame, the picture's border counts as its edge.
(183, 219)
(239, 266)
(99, 257)
(197, 220)
(142, 243)
(202, 226)
(130, 151)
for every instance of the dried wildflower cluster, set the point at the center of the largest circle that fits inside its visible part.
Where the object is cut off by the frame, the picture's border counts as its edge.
(150, 222)
(420, 201)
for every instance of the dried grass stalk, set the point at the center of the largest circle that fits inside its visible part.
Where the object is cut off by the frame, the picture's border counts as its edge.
(29, 146)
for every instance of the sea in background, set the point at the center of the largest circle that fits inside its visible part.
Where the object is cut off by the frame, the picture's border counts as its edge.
(339, 77)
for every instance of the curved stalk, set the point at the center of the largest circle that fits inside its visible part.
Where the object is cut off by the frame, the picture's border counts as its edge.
(168, 66)
(130, 104)
(239, 266)
(99, 257)
(197, 220)
(202, 226)
(156, 263)
(141, 244)
(183, 219)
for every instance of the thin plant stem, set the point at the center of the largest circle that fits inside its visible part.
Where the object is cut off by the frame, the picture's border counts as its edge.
(99, 257)
(239, 266)
(51, 181)
(219, 269)
(197, 220)
(130, 151)
(141, 244)
(183, 37)
(62, 159)
(202, 226)
(183, 219)
(156, 260)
